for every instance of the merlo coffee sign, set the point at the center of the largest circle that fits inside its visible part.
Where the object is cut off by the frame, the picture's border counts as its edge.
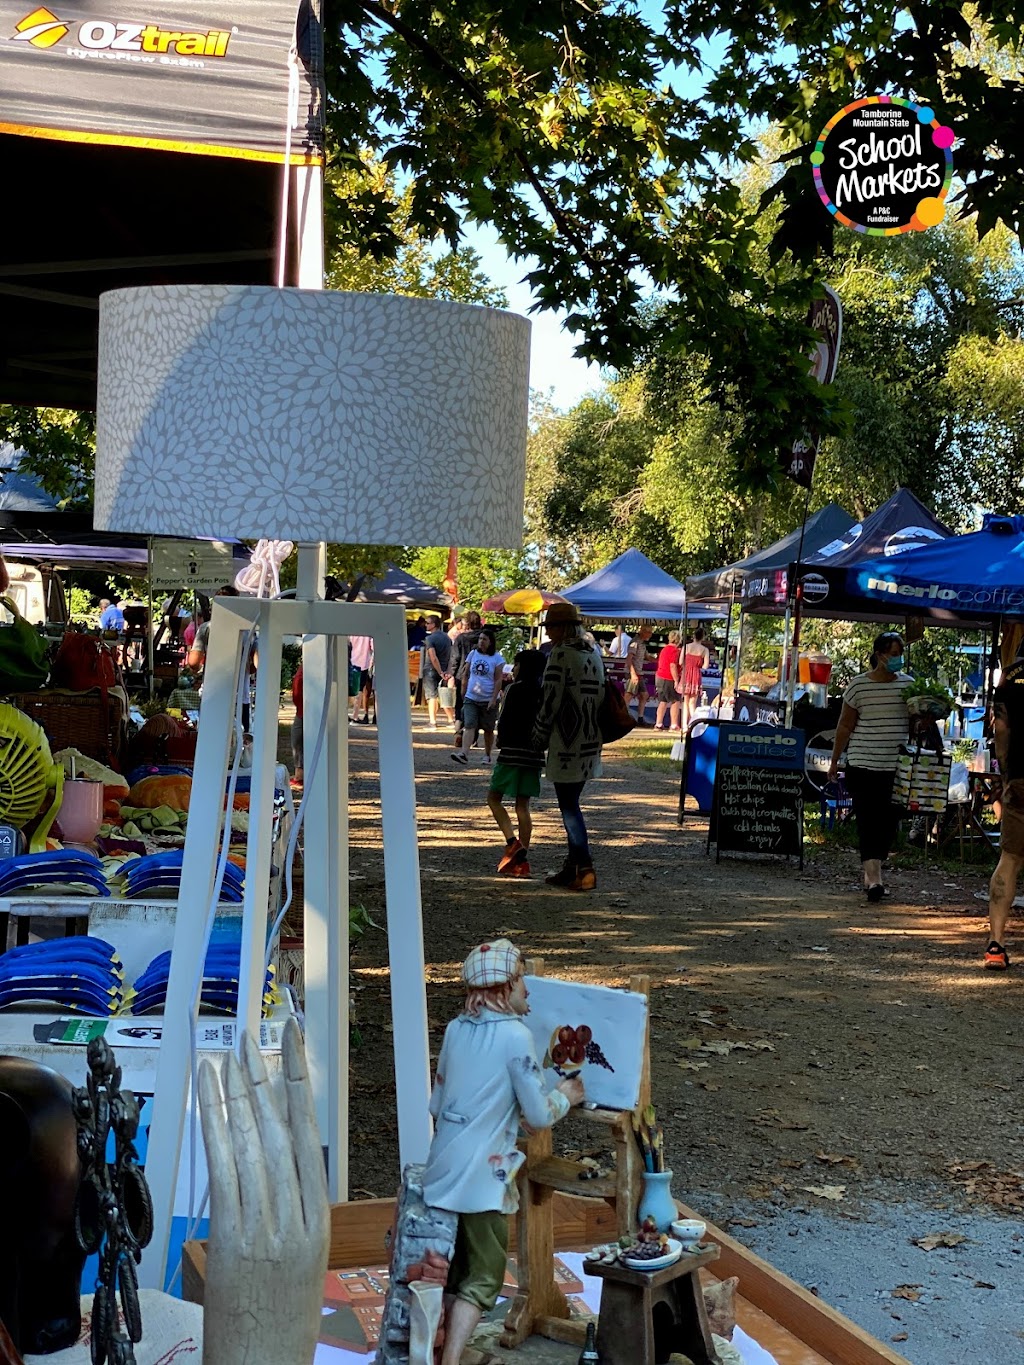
(884, 165)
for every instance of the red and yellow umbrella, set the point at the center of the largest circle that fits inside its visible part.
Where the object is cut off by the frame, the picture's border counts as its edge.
(521, 602)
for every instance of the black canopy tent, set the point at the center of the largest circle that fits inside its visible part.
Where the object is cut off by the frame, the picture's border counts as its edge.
(901, 523)
(722, 585)
(145, 154)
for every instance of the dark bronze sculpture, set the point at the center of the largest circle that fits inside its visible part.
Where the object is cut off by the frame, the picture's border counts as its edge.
(113, 1214)
(40, 1259)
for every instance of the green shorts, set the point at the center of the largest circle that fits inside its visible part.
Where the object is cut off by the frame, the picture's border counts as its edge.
(477, 1271)
(515, 781)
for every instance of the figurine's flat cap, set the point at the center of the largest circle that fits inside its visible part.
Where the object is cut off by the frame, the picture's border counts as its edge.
(492, 964)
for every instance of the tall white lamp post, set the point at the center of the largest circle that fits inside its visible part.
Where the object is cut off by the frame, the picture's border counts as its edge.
(313, 416)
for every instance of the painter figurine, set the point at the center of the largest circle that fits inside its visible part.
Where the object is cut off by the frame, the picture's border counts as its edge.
(488, 1083)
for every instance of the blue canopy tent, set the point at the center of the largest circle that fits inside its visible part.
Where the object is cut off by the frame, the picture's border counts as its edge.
(398, 585)
(633, 588)
(977, 575)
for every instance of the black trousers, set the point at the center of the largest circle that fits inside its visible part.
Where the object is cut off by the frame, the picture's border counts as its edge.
(877, 817)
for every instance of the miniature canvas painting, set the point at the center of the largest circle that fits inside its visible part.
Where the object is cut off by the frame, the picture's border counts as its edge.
(593, 1032)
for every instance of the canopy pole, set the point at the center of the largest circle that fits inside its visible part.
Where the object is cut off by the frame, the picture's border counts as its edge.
(795, 595)
(725, 648)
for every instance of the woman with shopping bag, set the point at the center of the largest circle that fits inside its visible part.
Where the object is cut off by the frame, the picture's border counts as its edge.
(872, 726)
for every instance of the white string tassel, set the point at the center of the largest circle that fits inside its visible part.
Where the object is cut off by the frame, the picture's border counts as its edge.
(262, 575)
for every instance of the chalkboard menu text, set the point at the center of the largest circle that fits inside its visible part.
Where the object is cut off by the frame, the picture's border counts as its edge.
(758, 804)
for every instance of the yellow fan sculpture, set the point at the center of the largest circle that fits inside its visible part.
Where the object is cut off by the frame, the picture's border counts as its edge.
(28, 774)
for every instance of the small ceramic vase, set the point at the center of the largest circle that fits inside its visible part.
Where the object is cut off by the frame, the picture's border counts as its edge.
(656, 1200)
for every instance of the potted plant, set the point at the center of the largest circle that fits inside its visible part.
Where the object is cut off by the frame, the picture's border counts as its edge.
(927, 697)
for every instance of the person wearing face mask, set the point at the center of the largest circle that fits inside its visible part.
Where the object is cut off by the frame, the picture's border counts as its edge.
(872, 726)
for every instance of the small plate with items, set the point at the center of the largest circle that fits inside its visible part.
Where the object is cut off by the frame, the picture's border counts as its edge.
(652, 1255)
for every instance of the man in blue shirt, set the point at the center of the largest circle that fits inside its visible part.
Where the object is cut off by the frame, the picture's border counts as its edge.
(111, 615)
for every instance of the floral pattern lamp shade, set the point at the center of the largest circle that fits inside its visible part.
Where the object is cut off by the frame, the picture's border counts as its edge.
(310, 415)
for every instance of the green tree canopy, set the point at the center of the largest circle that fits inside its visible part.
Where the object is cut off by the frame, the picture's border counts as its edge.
(602, 141)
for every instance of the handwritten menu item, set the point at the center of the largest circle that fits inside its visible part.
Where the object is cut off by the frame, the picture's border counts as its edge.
(758, 803)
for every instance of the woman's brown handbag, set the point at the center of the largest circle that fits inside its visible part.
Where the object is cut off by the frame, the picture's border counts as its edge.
(613, 718)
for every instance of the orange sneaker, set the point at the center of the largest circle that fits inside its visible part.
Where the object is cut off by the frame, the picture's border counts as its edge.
(512, 852)
(996, 957)
(519, 869)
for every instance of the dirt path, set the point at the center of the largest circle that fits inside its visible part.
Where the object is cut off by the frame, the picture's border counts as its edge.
(802, 1040)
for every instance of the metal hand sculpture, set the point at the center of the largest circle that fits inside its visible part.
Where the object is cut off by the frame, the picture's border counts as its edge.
(113, 1211)
(269, 1215)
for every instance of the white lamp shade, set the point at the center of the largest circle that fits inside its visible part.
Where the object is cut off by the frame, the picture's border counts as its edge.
(307, 415)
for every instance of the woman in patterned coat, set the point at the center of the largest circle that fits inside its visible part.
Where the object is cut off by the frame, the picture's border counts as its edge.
(567, 729)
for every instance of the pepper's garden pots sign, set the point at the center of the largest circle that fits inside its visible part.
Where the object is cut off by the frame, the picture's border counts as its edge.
(884, 165)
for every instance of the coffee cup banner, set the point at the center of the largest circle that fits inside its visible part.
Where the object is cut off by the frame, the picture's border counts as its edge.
(884, 165)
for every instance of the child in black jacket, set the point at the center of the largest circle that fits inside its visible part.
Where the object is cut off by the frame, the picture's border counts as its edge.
(517, 771)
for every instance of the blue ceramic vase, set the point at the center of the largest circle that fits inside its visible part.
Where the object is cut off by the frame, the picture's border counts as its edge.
(656, 1200)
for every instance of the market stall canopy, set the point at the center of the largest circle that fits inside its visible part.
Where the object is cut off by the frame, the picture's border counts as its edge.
(898, 526)
(140, 154)
(979, 574)
(396, 585)
(633, 588)
(826, 525)
(115, 559)
(521, 601)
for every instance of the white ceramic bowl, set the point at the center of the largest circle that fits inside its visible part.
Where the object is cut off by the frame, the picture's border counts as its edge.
(689, 1230)
(658, 1262)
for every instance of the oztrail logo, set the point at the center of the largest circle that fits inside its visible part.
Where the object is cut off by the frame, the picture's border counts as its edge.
(42, 28)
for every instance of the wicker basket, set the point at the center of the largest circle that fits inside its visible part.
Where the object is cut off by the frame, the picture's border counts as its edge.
(86, 721)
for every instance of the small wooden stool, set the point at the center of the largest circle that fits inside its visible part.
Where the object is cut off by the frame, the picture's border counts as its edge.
(648, 1314)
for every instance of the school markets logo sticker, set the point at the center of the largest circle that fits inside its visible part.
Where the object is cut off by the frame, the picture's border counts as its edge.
(884, 165)
(42, 28)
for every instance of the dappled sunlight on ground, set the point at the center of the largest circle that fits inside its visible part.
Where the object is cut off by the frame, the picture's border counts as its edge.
(789, 1016)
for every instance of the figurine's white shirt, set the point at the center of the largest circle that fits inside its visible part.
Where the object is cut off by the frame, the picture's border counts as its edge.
(488, 1078)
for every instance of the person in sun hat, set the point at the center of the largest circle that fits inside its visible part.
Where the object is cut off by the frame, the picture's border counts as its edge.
(567, 730)
(488, 1081)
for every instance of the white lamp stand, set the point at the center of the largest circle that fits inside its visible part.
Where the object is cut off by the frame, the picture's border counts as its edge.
(311, 416)
(326, 886)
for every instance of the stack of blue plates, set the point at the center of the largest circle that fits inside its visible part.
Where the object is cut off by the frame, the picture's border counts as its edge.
(64, 872)
(219, 993)
(160, 874)
(81, 974)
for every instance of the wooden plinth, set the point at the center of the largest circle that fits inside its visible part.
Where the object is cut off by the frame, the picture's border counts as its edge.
(646, 1315)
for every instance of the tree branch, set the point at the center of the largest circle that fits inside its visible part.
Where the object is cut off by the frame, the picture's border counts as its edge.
(447, 68)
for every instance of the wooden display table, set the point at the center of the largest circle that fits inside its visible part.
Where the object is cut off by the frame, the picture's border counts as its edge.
(646, 1315)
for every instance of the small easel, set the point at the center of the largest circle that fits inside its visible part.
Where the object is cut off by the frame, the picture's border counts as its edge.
(539, 1307)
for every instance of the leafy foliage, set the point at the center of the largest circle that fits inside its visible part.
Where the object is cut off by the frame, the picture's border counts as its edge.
(593, 138)
(930, 373)
(59, 449)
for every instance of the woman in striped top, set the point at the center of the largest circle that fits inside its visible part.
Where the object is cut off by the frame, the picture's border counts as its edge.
(872, 726)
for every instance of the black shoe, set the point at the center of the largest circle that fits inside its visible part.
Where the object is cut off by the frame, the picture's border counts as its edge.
(875, 893)
(565, 876)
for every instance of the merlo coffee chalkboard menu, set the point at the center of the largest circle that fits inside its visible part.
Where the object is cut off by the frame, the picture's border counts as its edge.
(758, 805)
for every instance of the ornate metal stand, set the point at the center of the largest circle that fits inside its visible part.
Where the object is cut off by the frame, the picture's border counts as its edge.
(113, 1212)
